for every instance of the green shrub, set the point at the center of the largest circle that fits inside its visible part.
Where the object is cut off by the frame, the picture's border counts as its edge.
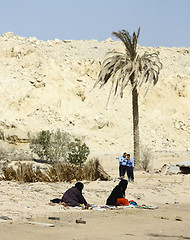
(50, 145)
(78, 152)
(56, 146)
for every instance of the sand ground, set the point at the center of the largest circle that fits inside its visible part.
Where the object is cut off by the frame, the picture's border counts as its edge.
(28, 203)
(115, 224)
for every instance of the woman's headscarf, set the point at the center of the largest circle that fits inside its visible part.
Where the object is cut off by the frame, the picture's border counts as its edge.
(123, 184)
(79, 186)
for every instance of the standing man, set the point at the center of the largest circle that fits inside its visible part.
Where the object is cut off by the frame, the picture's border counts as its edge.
(122, 165)
(129, 168)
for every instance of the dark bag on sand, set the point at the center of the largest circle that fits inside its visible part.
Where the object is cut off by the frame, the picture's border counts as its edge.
(55, 200)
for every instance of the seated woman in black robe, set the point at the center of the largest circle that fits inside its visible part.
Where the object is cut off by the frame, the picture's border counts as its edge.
(73, 196)
(117, 196)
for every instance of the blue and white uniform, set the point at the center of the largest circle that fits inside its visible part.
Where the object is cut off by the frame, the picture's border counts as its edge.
(122, 161)
(129, 163)
(129, 168)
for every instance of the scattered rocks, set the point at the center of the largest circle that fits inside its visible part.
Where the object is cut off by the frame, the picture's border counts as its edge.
(169, 169)
(54, 218)
(8, 35)
(60, 74)
(182, 167)
(80, 221)
(165, 218)
(6, 218)
(178, 218)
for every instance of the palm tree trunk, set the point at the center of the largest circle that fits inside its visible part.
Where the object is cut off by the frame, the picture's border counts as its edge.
(136, 138)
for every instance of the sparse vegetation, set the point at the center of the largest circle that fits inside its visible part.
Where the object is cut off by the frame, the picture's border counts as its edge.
(78, 152)
(58, 172)
(67, 158)
(58, 146)
(146, 158)
(50, 145)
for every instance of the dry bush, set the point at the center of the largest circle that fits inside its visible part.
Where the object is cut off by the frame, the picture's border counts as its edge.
(24, 172)
(93, 170)
(146, 157)
(57, 173)
(64, 172)
(9, 173)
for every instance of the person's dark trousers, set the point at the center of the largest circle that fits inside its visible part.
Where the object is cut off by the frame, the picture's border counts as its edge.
(130, 174)
(122, 170)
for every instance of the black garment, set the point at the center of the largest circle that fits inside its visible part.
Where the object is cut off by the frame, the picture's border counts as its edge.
(55, 200)
(73, 197)
(79, 186)
(130, 174)
(118, 192)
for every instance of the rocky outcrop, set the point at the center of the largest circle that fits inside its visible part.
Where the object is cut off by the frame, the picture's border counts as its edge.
(184, 166)
(47, 85)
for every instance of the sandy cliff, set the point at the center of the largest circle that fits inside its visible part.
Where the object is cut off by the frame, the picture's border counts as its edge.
(46, 85)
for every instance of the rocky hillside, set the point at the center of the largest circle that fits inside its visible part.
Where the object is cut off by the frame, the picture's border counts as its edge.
(47, 85)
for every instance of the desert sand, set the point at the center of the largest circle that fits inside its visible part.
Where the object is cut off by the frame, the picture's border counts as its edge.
(47, 85)
(27, 206)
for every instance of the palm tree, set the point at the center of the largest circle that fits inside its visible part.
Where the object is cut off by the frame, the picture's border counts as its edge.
(129, 67)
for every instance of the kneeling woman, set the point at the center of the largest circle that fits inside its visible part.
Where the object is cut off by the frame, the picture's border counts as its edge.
(73, 196)
(117, 196)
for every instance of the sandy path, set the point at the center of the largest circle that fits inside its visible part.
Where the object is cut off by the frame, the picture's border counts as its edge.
(115, 224)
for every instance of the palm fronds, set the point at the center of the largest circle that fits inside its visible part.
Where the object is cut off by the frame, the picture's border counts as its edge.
(121, 68)
(129, 41)
(151, 67)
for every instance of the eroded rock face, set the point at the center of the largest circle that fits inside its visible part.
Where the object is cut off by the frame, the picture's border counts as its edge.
(184, 164)
(47, 85)
(184, 167)
(169, 169)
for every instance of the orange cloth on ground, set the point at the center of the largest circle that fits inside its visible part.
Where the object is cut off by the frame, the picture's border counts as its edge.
(122, 201)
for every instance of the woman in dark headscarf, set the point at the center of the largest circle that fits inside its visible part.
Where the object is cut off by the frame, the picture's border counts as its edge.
(117, 196)
(73, 196)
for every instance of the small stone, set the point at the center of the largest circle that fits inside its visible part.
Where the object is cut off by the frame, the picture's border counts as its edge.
(177, 218)
(166, 218)
(80, 221)
(54, 218)
(5, 218)
(42, 224)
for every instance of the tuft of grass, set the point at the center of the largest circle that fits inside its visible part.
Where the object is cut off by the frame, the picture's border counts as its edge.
(58, 172)
(8, 173)
(93, 170)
